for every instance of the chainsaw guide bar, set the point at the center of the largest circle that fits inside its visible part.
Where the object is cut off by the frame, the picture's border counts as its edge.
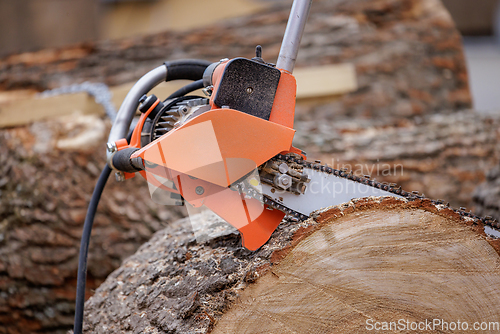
(279, 201)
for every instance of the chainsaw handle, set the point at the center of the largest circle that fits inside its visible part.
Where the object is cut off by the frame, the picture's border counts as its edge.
(122, 161)
(293, 34)
(129, 106)
(186, 69)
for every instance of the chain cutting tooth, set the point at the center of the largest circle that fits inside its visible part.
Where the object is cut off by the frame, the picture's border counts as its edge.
(173, 112)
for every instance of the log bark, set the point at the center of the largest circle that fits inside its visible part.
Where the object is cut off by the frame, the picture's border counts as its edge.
(486, 197)
(408, 54)
(382, 259)
(46, 179)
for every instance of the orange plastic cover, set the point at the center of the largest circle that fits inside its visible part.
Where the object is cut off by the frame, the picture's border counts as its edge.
(201, 145)
(209, 153)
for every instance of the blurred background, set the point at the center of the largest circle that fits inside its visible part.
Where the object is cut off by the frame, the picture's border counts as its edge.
(479, 23)
(29, 25)
(403, 90)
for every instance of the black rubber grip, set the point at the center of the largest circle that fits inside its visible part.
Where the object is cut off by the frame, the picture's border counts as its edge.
(186, 69)
(121, 160)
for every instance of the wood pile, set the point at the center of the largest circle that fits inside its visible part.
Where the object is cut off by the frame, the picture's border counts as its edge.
(409, 63)
(407, 54)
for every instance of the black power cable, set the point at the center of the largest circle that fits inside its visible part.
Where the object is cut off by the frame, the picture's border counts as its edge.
(84, 246)
(84, 249)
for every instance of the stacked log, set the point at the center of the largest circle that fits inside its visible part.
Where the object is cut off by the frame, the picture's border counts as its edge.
(444, 156)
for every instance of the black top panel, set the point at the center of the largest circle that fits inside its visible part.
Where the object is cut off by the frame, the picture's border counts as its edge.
(248, 86)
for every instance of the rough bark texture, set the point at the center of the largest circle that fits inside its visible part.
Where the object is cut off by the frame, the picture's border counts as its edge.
(175, 285)
(44, 193)
(444, 156)
(408, 54)
(487, 195)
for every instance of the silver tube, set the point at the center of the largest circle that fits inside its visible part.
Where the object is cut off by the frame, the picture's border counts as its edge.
(129, 105)
(293, 34)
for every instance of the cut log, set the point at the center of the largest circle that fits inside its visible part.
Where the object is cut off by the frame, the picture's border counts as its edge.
(362, 264)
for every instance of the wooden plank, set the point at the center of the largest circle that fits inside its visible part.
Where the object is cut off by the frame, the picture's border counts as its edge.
(328, 80)
(24, 107)
(28, 110)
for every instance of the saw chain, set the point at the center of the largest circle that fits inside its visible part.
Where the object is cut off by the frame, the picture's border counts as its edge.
(292, 160)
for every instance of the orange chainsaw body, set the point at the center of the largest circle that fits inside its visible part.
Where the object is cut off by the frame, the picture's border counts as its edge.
(207, 154)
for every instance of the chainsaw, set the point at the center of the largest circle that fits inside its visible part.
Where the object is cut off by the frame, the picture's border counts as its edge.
(229, 151)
